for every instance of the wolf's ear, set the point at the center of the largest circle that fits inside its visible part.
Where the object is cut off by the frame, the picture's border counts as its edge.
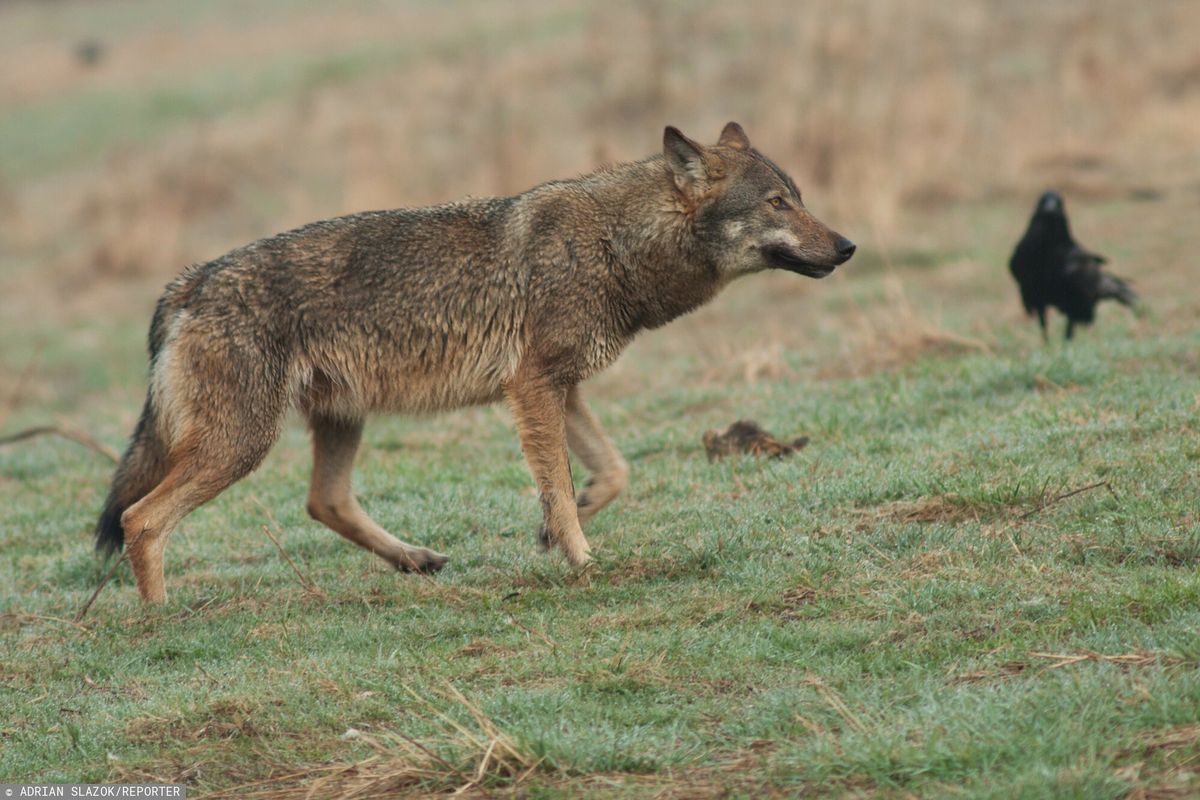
(690, 163)
(684, 157)
(733, 136)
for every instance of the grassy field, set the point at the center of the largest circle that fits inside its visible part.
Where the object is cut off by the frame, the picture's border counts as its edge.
(979, 579)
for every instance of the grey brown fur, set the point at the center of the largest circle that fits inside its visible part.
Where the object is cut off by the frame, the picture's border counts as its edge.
(520, 298)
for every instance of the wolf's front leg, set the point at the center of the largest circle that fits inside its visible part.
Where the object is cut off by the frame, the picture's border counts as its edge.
(331, 501)
(539, 407)
(587, 439)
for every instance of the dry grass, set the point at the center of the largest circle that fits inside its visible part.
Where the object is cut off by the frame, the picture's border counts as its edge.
(927, 509)
(893, 335)
(225, 719)
(1038, 662)
(887, 113)
(470, 755)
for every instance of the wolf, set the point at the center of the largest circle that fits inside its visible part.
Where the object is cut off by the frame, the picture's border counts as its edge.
(420, 310)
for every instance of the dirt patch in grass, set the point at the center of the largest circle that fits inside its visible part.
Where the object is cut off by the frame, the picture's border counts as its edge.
(480, 648)
(788, 605)
(796, 597)
(928, 563)
(230, 718)
(926, 510)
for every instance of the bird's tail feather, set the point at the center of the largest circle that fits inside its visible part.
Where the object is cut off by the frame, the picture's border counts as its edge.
(1117, 289)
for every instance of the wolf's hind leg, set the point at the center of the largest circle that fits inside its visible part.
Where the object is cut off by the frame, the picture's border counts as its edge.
(331, 500)
(220, 410)
(587, 440)
(199, 473)
(540, 411)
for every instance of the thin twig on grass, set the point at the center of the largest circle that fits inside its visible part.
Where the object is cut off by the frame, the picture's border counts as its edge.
(836, 703)
(205, 673)
(124, 557)
(1058, 498)
(309, 585)
(305, 581)
(79, 437)
(1137, 659)
(21, 615)
(533, 632)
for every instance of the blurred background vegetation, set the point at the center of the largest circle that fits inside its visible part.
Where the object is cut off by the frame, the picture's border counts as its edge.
(138, 137)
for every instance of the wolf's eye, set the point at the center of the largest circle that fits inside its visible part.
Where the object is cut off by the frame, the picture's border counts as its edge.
(778, 202)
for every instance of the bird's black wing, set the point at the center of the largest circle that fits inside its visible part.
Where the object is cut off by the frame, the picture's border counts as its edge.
(1084, 273)
(1085, 260)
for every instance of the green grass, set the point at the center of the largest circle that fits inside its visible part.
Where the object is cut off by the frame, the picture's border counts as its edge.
(878, 615)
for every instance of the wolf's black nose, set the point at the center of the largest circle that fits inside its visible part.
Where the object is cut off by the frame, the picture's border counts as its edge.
(845, 248)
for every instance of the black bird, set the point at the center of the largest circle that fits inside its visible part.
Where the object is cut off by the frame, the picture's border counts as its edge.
(1053, 270)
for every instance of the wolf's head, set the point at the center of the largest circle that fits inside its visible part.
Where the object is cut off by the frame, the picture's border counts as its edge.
(748, 213)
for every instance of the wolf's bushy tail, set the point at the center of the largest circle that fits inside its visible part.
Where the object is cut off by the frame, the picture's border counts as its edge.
(142, 467)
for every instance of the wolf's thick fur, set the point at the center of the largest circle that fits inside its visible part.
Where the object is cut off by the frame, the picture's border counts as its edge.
(420, 310)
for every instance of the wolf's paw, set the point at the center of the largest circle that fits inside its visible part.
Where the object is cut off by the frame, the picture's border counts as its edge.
(579, 558)
(574, 547)
(421, 559)
(601, 490)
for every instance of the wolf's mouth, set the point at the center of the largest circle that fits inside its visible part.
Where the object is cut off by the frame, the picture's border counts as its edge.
(779, 258)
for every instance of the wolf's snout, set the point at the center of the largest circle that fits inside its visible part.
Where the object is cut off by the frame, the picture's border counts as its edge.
(845, 248)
